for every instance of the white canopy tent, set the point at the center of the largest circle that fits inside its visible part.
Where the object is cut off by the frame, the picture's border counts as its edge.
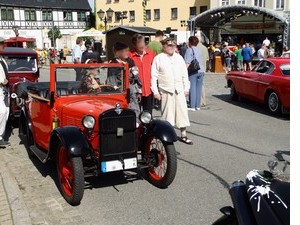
(91, 33)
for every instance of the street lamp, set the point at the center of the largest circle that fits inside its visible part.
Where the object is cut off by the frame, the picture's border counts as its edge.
(105, 17)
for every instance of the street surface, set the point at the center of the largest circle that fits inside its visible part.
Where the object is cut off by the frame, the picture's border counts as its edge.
(230, 139)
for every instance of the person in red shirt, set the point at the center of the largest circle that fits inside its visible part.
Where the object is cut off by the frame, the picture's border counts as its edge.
(143, 58)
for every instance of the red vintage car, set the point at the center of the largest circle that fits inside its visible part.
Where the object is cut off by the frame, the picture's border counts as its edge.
(267, 83)
(22, 65)
(87, 134)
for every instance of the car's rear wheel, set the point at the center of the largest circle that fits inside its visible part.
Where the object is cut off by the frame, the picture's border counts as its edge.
(70, 176)
(162, 161)
(26, 133)
(233, 94)
(273, 103)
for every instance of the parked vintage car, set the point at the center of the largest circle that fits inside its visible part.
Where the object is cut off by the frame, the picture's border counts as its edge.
(87, 134)
(267, 83)
(22, 65)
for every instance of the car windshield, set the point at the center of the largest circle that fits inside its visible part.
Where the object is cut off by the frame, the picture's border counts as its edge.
(21, 64)
(89, 80)
(285, 69)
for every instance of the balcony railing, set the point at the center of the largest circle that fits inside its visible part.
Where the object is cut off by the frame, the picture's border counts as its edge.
(43, 24)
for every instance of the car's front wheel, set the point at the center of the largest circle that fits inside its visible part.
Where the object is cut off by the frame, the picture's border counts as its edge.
(273, 103)
(162, 161)
(70, 176)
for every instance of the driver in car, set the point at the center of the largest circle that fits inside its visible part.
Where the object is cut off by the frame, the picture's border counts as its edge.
(121, 52)
(89, 82)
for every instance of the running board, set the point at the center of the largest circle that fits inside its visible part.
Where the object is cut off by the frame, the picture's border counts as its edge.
(42, 156)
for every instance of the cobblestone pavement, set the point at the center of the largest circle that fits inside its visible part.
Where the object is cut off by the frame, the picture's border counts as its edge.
(5, 211)
(37, 183)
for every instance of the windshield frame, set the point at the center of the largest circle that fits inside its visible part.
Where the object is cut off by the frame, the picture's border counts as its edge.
(8, 56)
(55, 67)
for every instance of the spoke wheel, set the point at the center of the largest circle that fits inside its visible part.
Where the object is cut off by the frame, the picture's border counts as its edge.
(274, 103)
(162, 162)
(70, 176)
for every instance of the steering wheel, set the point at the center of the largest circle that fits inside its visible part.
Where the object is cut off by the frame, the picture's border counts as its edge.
(108, 88)
(23, 68)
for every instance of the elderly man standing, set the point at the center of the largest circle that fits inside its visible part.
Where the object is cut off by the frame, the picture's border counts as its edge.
(204, 63)
(173, 86)
(4, 105)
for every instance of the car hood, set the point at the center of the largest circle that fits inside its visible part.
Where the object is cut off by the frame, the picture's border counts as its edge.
(78, 109)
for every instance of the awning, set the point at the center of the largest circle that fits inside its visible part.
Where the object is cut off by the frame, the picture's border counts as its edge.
(91, 33)
(20, 39)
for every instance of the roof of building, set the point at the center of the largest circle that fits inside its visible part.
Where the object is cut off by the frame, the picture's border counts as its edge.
(140, 30)
(229, 13)
(49, 4)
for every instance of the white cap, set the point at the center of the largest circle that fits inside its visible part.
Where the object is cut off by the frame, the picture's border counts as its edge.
(2, 39)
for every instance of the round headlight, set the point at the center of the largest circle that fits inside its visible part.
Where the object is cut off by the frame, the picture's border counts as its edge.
(145, 117)
(88, 122)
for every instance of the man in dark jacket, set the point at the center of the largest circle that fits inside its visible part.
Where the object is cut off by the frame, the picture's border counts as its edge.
(90, 53)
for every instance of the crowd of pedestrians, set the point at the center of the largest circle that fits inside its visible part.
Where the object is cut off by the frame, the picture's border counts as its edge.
(239, 56)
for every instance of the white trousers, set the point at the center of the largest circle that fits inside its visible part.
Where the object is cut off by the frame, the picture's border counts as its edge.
(4, 113)
(174, 109)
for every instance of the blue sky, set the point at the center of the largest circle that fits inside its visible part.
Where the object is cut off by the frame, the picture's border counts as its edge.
(92, 4)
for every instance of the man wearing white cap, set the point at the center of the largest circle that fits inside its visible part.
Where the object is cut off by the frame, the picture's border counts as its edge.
(173, 86)
(4, 106)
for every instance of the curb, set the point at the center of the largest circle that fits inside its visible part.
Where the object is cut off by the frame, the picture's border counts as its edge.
(20, 214)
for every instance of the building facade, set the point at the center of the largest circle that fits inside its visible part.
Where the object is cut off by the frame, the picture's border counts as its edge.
(176, 14)
(153, 13)
(34, 19)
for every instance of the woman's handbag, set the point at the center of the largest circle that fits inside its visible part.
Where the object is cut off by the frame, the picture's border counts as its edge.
(194, 66)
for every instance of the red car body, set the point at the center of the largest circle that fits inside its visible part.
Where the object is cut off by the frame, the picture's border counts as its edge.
(87, 134)
(268, 76)
(22, 65)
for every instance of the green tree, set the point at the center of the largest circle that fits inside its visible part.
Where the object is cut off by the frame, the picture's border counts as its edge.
(53, 34)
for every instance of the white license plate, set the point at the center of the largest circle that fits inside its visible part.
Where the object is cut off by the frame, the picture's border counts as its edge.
(130, 163)
(116, 165)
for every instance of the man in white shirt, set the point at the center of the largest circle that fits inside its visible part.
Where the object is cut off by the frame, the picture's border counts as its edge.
(169, 69)
(261, 52)
(76, 56)
(4, 107)
(267, 42)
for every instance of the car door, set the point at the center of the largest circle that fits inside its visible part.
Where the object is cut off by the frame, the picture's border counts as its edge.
(264, 79)
(249, 85)
(40, 115)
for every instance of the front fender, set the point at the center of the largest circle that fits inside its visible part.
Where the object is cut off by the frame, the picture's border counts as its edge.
(72, 138)
(163, 130)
